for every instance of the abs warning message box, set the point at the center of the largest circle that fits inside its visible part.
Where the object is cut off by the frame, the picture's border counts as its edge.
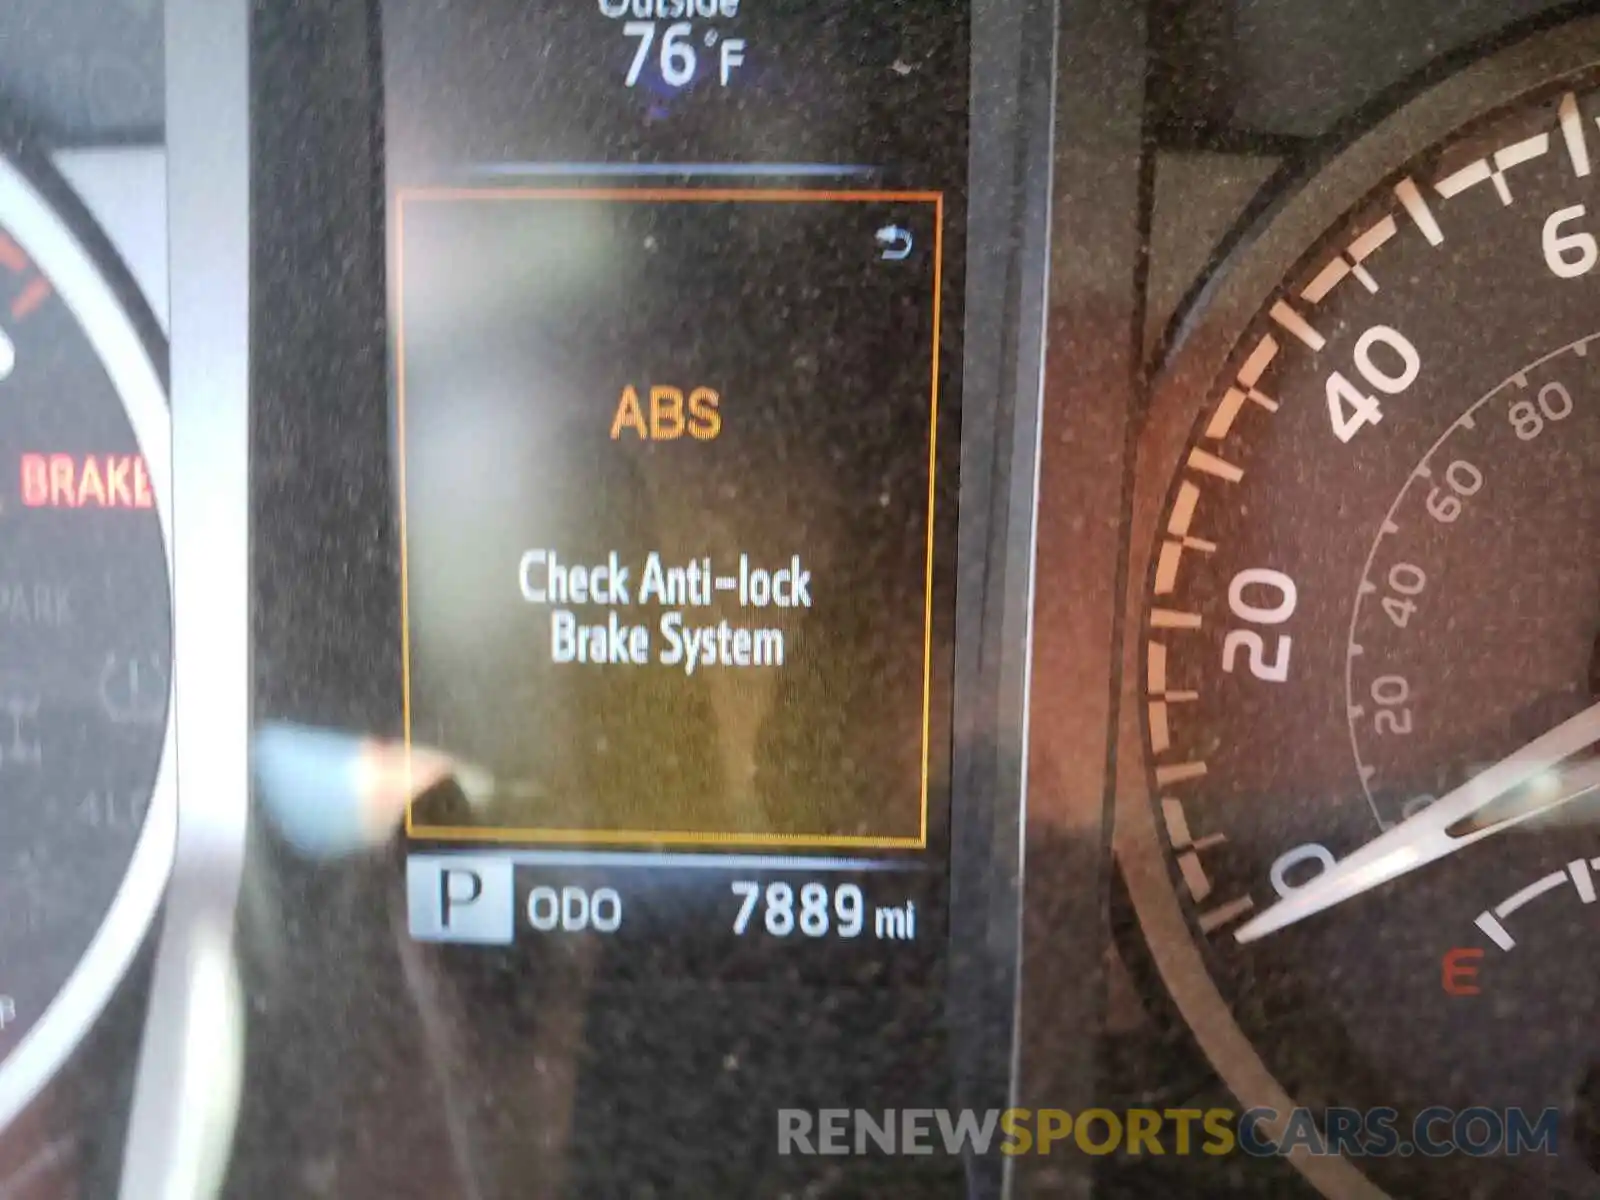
(677, 503)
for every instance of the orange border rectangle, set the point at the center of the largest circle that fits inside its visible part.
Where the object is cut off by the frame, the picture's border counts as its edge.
(642, 837)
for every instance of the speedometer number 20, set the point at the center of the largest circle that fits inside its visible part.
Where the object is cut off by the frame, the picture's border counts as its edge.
(1278, 597)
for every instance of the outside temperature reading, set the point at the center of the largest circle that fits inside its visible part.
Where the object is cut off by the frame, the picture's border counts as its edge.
(673, 48)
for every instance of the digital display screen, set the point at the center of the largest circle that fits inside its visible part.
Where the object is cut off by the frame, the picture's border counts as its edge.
(676, 408)
(670, 522)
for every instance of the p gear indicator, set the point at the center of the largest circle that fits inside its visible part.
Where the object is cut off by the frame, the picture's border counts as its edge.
(671, 536)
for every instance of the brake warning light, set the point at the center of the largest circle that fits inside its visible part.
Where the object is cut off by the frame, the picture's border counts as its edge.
(85, 481)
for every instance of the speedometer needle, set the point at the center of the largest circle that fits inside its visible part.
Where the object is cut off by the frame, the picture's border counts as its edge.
(1432, 834)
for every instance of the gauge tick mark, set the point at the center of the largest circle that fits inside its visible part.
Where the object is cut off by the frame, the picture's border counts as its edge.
(30, 297)
(1200, 460)
(1572, 134)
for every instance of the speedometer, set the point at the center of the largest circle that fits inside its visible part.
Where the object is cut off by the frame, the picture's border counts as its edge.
(1369, 511)
(87, 810)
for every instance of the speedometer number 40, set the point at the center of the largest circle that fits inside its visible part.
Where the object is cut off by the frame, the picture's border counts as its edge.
(1387, 361)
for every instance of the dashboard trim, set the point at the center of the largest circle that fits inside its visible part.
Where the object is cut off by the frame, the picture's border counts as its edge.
(187, 1091)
